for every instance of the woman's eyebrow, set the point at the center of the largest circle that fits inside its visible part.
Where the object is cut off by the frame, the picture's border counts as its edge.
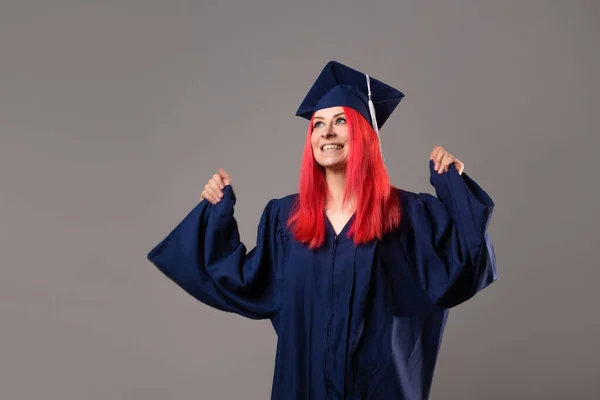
(335, 116)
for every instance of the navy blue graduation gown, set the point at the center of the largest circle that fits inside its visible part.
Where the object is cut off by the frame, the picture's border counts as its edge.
(353, 322)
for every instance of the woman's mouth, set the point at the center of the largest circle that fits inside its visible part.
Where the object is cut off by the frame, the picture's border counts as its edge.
(331, 147)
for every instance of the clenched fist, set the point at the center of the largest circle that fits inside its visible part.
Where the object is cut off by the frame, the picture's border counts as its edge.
(213, 190)
(442, 160)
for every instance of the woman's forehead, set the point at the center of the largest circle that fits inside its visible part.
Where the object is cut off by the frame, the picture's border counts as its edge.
(328, 112)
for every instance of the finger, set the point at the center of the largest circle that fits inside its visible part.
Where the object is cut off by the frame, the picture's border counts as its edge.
(215, 187)
(434, 152)
(219, 181)
(438, 159)
(446, 162)
(206, 196)
(211, 193)
(225, 176)
(460, 166)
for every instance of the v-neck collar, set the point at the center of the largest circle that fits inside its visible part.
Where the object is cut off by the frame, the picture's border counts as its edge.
(345, 228)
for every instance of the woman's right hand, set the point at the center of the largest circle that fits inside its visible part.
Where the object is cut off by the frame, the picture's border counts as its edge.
(213, 190)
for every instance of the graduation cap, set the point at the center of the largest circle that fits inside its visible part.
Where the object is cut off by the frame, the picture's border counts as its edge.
(340, 85)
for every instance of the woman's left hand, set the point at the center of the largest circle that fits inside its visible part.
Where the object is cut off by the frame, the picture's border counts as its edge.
(442, 160)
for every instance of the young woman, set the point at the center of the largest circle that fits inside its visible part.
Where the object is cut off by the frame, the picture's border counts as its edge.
(355, 275)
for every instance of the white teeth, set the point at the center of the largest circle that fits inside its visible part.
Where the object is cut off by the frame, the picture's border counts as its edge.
(332, 147)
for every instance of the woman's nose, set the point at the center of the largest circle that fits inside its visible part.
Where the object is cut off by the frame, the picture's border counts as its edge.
(328, 132)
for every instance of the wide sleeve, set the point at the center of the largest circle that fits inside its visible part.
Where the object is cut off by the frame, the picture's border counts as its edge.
(204, 256)
(449, 247)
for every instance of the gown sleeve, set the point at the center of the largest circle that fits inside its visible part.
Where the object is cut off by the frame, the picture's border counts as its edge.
(452, 255)
(204, 256)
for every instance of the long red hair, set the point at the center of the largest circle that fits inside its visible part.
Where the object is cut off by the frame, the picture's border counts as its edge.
(377, 208)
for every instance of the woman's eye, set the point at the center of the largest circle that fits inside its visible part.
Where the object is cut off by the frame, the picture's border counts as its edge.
(318, 124)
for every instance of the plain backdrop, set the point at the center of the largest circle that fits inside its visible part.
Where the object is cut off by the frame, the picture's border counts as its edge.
(114, 114)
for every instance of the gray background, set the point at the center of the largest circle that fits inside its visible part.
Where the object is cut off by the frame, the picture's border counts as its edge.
(113, 115)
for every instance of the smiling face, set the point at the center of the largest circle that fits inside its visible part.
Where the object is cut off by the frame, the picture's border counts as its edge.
(330, 139)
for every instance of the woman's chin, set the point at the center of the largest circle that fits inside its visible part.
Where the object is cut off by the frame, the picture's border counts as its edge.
(333, 165)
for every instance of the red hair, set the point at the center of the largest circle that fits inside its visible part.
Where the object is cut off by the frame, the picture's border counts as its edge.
(377, 208)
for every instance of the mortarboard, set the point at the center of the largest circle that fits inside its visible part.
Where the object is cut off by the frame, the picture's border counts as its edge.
(340, 85)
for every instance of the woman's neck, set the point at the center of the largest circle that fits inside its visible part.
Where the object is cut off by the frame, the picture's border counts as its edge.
(336, 183)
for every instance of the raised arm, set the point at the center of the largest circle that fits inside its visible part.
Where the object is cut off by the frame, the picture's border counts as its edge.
(447, 244)
(203, 255)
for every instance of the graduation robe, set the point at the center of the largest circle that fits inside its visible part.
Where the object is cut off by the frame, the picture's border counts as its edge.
(353, 322)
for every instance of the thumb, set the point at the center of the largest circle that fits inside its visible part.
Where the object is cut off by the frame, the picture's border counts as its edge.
(225, 176)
